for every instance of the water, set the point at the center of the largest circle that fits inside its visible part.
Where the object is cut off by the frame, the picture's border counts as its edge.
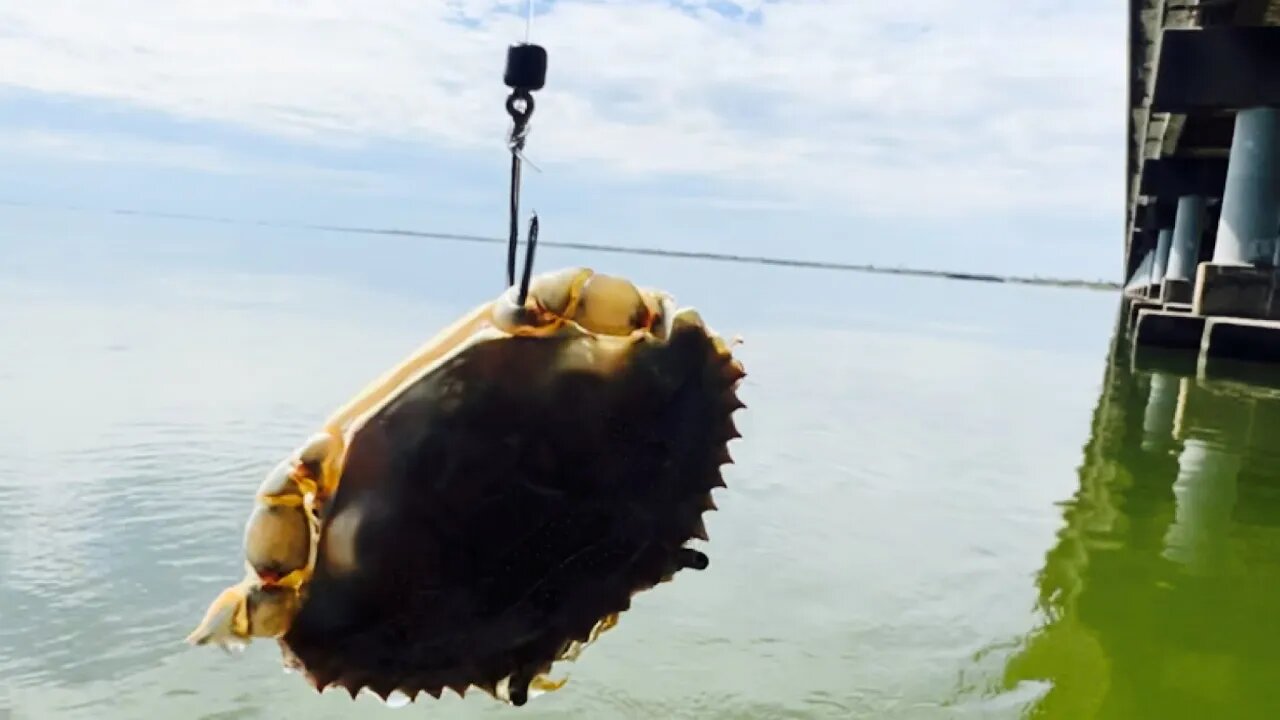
(1160, 594)
(951, 499)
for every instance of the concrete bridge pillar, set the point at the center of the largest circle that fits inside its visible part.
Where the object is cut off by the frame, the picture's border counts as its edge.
(1187, 230)
(1250, 225)
(1141, 274)
(1161, 263)
(1242, 280)
(1230, 68)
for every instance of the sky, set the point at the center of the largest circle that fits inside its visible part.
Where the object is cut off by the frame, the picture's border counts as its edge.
(937, 133)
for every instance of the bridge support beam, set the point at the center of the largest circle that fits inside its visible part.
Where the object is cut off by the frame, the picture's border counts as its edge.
(1250, 224)
(1221, 84)
(1243, 280)
(1168, 329)
(1141, 274)
(1187, 230)
(1160, 265)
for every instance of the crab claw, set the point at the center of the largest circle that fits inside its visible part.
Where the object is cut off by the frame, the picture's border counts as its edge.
(226, 622)
(245, 611)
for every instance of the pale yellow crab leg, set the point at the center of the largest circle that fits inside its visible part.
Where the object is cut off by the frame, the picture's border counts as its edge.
(377, 391)
(426, 354)
(559, 293)
(226, 622)
(612, 306)
(576, 647)
(552, 301)
(280, 536)
(244, 611)
(279, 545)
(543, 683)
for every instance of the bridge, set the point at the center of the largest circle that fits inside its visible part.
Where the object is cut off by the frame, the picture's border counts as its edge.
(1202, 217)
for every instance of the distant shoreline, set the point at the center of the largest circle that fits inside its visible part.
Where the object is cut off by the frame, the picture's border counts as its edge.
(620, 249)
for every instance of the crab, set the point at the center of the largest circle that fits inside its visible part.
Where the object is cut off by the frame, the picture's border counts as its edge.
(491, 505)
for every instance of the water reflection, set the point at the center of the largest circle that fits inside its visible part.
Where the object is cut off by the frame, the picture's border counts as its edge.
(1161, 596)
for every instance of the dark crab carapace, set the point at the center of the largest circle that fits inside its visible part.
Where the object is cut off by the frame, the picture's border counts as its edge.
(490, 505)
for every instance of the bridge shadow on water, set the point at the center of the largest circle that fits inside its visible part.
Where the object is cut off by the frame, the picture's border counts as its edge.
(1161, 596)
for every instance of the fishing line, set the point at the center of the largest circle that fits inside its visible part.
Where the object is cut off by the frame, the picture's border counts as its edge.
(526, 73)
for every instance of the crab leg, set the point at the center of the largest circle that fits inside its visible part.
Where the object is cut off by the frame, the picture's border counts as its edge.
(282, 533)
(425, 355)
(243, 611)
(279, 544)
(543, 683)
(279, 537)
(375, 393)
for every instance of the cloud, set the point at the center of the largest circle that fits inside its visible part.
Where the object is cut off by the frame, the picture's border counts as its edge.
(122, 148)
(935, 107)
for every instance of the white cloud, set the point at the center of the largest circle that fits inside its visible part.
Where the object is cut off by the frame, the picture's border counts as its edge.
(121, 148)
(929, 107)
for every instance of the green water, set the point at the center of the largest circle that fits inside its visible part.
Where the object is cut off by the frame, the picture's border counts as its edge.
(1160, 595)
(951, 499)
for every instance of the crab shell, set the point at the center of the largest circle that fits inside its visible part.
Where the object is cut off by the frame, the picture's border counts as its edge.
(489, 506)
